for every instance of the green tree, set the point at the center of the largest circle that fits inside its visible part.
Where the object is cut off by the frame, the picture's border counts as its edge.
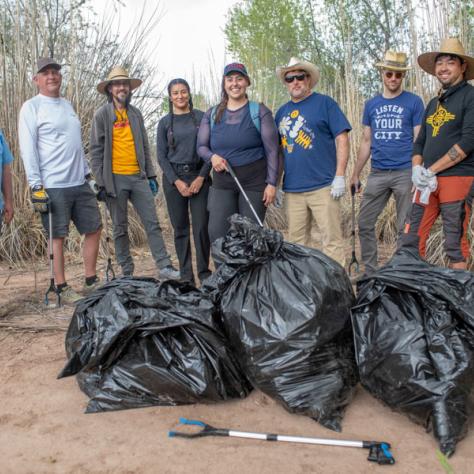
(263, 34)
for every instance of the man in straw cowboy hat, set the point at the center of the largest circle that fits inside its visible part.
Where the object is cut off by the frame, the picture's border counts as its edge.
(391, 121)
(443, 155)
(120, 158)
(315, 144)
(58, 173)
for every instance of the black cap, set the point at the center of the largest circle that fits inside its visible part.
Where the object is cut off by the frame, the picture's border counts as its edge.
(46, 62)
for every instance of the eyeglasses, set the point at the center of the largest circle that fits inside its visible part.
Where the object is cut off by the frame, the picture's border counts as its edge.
(390, 74)
(298, 77)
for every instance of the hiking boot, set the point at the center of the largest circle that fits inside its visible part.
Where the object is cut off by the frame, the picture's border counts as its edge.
(169, 273)
(87, 289)
(69, 296)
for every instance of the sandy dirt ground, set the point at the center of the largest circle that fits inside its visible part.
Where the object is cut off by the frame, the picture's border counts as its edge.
(43, 428)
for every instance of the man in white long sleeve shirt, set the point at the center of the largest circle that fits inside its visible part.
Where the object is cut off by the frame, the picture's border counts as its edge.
(58, 173)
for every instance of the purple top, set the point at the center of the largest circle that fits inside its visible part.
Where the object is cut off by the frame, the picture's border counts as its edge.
(237, 140)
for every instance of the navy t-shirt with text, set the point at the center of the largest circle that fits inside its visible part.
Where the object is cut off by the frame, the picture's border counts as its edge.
(391, 123)
(307, 134)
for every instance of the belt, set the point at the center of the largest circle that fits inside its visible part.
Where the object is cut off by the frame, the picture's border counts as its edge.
(187, 167)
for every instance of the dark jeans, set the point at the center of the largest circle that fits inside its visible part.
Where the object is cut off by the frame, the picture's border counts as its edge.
(178, 210)
(222, 203)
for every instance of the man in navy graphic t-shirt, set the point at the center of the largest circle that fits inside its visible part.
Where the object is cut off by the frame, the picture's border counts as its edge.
(391, 122)
(315, 144)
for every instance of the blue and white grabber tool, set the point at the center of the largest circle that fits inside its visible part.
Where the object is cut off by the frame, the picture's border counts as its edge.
(379, 451)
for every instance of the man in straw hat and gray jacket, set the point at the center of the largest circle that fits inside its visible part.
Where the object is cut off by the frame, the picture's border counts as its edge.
(315, 144)
(443, 155)
(120, 159)
(391, 121)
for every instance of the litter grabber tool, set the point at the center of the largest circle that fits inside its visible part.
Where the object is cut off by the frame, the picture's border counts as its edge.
(379, 451)
(353, 264)
(52, 286)
(109, 269)
(244, 194)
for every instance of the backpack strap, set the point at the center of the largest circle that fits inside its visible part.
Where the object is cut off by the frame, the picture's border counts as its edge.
(255, 114)
(213, 116)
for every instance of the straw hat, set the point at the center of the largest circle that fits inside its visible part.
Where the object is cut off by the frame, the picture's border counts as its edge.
(448, 46)
(118, 73)
(394, 61)
(296, 64)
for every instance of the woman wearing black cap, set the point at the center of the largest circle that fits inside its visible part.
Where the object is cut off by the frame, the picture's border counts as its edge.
(243, 134)
(185, 179)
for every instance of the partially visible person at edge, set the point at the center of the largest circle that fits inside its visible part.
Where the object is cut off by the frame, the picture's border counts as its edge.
(391, 122)
(185, 179)
(6, 188)
(120, 159)
(443, 155)
(315, 142)
(58, 173)
(232, 133)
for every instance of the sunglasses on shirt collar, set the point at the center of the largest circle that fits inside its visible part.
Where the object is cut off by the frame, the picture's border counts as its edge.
(298, 77)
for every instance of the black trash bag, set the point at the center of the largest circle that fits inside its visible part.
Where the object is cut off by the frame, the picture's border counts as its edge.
(135, 343)
(286, 311)
(414, 337)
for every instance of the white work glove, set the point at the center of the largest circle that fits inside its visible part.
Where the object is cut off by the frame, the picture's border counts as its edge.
(338, 187)
(430, 188)
(420, 176)
(278, 203)
(92, 184)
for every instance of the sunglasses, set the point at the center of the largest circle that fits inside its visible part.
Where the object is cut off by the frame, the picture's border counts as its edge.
(298, 77)
(120, 83)
(390, 74)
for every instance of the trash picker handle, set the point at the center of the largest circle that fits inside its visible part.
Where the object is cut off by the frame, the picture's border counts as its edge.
(244, 194)
(379, 451)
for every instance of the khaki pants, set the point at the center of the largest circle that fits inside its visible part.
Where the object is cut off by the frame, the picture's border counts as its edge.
(326, 211)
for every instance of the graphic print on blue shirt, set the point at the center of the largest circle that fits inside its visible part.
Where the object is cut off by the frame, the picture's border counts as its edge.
(307, 132)
(391, 122)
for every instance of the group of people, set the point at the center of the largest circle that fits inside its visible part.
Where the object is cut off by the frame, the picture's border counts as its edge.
(306, 147)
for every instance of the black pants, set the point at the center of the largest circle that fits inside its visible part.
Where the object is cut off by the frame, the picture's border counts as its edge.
(178, 210)
(222, 203)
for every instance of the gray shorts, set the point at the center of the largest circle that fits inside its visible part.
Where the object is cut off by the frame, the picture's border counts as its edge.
(78, 204)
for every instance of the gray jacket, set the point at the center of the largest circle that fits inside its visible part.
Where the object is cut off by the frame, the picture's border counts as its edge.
(101, 145)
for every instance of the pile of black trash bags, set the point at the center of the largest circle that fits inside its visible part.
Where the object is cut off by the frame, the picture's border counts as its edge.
(282, 318)
(414, 337)
(274, 316)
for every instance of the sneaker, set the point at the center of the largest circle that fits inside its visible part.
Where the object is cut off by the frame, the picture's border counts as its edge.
(69, 296)
(169, 273)
(87, 289)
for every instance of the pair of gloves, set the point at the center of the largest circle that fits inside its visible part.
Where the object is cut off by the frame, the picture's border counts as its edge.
(101, 194)
(338, 189)
(40, 198)
(424, 181)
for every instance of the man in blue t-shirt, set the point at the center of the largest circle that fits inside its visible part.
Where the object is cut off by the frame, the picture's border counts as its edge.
(6, 189)
(315, 144)
(391, 121)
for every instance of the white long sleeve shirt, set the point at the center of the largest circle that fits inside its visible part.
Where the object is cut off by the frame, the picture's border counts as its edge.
(50, 143)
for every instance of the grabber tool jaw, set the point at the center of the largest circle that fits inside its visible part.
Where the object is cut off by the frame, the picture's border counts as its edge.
(109, 270)
(52, 289)
(207, 430)
(353, 265)
(379, 452)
